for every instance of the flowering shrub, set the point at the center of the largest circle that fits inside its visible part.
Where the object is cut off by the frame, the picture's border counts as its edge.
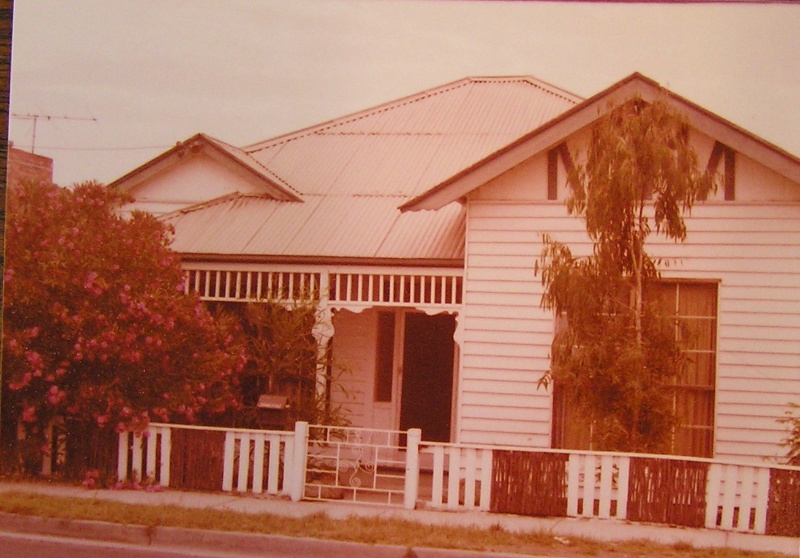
(90, 478)
(97, 324)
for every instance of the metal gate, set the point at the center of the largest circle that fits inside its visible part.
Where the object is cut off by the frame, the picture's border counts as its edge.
(356, 464)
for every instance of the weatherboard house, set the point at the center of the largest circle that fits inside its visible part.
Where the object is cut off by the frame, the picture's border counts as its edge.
(419, 223)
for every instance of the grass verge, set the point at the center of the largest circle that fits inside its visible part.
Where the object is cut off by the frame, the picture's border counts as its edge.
(355, 529)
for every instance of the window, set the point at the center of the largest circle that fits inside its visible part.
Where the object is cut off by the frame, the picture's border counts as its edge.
(694, 307)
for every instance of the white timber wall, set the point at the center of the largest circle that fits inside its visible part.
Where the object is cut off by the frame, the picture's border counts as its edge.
(354, 345)
(506, 336)
(750, 247)
(754, 250)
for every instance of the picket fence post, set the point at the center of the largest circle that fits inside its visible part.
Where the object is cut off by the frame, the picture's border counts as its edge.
(411, 488)
(122, 456)
(166, 455)
(299, 459)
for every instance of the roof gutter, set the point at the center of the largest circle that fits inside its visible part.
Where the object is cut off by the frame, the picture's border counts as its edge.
(322, 260)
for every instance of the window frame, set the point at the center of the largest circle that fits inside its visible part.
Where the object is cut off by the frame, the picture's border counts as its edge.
(560, 433)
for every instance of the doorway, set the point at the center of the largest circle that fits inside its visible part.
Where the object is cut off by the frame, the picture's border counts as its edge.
(427, 375)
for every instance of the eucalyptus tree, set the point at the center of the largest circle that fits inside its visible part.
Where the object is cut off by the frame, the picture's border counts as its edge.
(616, 353)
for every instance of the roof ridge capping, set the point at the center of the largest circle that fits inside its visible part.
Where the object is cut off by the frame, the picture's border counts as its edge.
(358, 115)
(408, 99)
(585, 113)
(536, 82)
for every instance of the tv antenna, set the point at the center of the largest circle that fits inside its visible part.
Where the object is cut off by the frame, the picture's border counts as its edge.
(36, 117)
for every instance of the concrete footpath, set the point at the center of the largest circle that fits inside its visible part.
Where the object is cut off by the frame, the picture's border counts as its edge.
(601, 530)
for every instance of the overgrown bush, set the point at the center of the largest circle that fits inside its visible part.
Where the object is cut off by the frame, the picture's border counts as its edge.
(286, 358)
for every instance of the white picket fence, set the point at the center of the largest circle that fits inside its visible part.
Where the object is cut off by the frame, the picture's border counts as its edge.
(249, 453)
(737, 491)
(440, 475)
(461, 476)
(143, 450)
(598, 477)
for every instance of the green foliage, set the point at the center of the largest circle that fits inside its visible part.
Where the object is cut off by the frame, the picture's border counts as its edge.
(97, 326)
(618, 355)
(792, 440)
(284, 358)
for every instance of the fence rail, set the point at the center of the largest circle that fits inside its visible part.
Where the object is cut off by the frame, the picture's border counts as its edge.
(397, 468)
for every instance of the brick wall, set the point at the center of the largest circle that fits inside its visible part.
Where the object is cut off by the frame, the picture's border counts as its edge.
(23, 165)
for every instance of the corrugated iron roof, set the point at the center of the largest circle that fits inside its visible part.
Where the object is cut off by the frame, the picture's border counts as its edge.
(354, 172)
(358, 228)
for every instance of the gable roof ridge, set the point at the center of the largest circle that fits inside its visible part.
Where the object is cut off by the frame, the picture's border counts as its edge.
(248, 159)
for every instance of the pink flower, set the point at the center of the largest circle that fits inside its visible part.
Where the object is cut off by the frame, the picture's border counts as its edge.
(29, 414)
(33, 358)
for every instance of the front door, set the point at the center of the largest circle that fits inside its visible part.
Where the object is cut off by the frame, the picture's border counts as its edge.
(427, 375)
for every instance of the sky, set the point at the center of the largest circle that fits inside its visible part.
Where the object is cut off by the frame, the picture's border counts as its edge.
(117, 82)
